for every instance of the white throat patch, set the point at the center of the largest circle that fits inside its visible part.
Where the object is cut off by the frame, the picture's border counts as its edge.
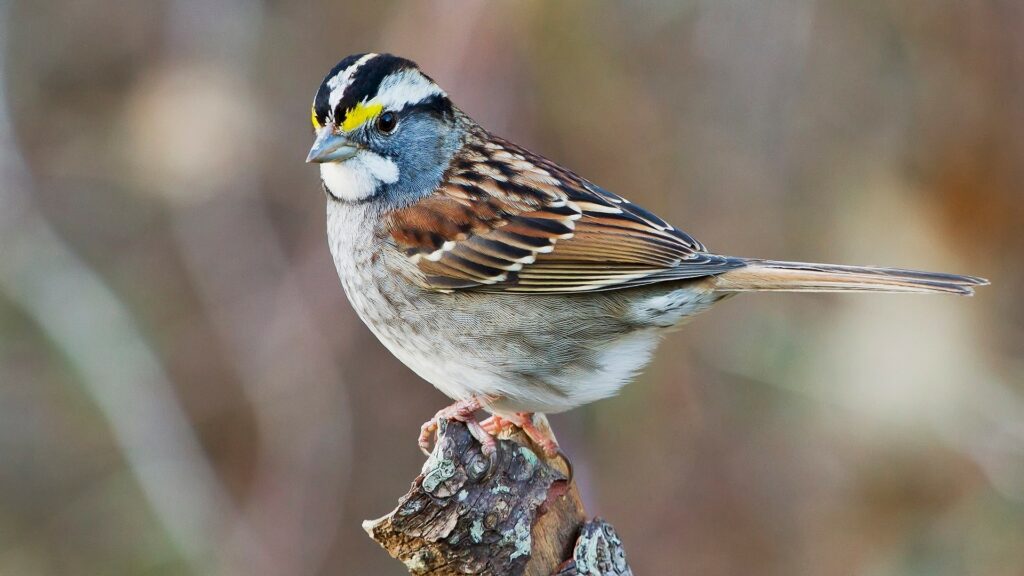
(358, 177)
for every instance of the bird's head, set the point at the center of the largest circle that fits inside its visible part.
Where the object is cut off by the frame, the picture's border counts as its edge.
(383, 129)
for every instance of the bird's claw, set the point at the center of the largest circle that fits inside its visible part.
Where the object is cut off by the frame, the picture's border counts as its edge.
(524, 421)
(461, 411)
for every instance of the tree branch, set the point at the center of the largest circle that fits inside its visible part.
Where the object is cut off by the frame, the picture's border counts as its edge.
(515, 513)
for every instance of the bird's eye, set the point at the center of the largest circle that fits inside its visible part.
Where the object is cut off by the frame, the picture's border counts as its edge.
(387, 122)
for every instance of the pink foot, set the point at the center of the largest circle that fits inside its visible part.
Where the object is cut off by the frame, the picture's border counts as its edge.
(524, 421)
(494, 425)
(461, 411)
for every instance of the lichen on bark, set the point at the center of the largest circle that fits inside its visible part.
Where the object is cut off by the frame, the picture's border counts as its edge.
(598, 552)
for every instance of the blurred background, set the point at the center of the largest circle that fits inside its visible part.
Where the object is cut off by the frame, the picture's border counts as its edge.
(184, 388)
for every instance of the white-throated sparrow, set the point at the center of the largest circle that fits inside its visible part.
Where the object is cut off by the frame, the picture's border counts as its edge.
(505, 280)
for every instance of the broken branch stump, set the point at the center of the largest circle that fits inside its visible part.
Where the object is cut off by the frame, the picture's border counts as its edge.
(515, 513)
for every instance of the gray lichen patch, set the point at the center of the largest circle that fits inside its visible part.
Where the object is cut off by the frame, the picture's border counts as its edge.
(443, 470)
(521, 539)
(598, 552)
(476, 531)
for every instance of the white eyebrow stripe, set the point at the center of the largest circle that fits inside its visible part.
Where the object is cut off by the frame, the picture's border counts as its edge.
(342, 80)
(405, 87)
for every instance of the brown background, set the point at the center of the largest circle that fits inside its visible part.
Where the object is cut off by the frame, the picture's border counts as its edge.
(185, 390)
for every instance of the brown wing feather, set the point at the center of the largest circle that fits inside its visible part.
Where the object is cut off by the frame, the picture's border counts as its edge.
(508, 220)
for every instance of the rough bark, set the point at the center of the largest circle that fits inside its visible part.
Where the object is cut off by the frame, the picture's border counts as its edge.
(515, 513)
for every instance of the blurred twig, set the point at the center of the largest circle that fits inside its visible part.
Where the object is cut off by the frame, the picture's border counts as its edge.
(95, 331)
(237, 261)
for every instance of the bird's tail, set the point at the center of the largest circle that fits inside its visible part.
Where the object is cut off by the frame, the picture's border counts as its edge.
(772, 275)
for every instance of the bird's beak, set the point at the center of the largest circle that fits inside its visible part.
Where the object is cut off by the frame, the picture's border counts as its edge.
(331, 147)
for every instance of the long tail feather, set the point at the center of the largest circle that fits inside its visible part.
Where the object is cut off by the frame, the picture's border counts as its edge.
(772, 275)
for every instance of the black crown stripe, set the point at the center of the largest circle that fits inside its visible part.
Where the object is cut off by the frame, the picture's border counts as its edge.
(363, 86)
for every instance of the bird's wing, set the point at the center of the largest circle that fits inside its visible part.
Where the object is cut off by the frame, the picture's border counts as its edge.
(506, 220)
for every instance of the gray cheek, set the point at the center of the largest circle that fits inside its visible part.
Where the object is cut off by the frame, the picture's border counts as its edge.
(422, 152)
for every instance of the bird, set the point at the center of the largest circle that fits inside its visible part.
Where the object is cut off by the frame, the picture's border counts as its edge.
(510, 283)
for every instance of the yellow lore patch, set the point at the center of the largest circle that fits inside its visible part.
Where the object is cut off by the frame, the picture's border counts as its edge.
(360, 114)
(316, 125)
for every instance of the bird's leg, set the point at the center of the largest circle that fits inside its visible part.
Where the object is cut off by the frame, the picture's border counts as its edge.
(461, 411)
(542, 437)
